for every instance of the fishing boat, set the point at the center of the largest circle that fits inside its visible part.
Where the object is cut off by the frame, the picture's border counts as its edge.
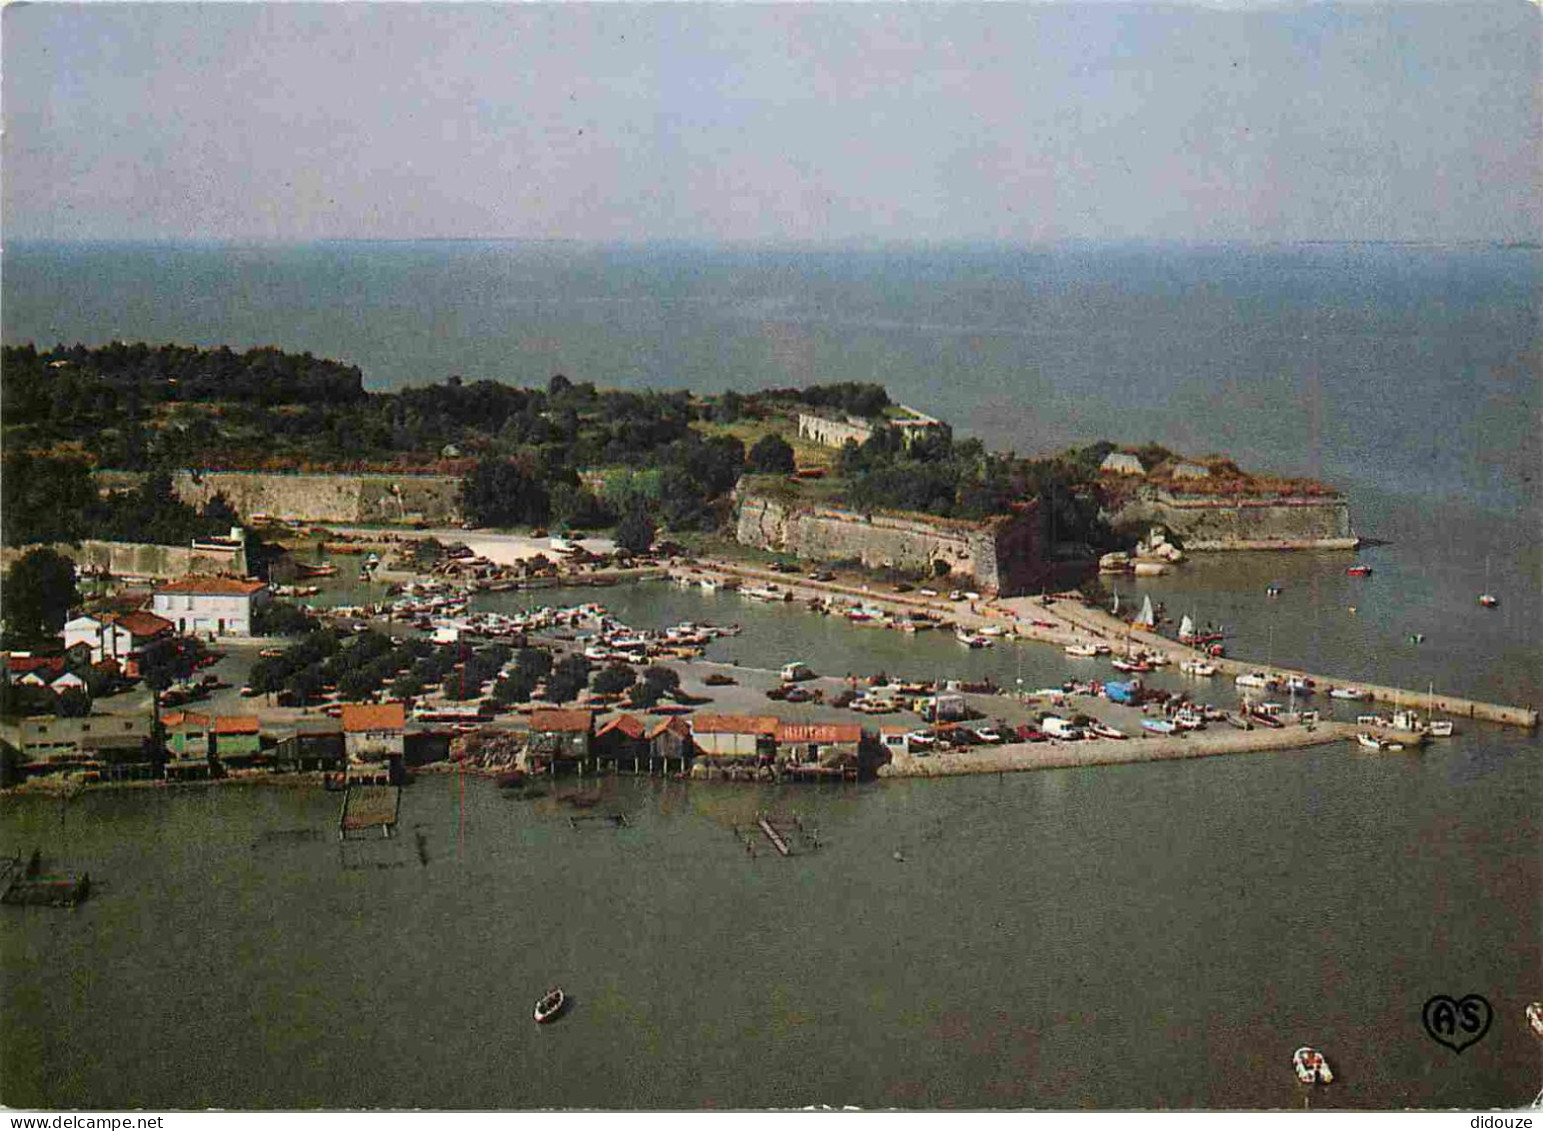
(550, 1005)
(1239, 719)
(1370, 741)
(1189, 719)
(1197, 667)
(1360, 569)
(1082, 650)
(971, 639)
(1158, 726)
(1104, 730)
(1436, 728)
(1348, 693)
(1311, 1067)
(1126, 665)
(304, 569)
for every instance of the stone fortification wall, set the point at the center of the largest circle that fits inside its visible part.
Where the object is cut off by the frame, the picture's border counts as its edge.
(138, 559)
(1000, 557)
(832, 433)
(321, 498)
(1226, 523)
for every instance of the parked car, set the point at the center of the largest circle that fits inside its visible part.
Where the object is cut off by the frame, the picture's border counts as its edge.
(822, 575)
(798, 695)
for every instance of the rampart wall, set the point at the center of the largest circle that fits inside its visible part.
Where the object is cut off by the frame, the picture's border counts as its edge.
(138, 559)
(1226, 523)
(433, 499)
(1003, 556)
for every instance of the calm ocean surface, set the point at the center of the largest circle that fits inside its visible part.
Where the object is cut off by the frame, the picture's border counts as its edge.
(1140, 936)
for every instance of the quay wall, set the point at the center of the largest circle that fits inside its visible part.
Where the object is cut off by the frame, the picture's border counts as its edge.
(136, 559)
(1209, 523)
(300, 497)
(1001, 557)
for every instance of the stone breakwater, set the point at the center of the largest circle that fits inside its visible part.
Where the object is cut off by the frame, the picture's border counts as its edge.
(1105, 752)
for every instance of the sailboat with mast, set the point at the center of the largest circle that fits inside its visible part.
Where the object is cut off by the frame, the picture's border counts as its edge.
(1486, 598)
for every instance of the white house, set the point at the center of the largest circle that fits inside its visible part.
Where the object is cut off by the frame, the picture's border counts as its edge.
(117, 636)
(219, 606)
(1122, 463)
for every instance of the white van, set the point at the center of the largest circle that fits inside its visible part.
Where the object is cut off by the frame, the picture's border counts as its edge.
(796, 671)
(1059, 728)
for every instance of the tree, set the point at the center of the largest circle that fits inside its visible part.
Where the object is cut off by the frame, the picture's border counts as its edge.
(614, 678)
(665, 679)
(74, 703)
(39, 591)
(635, 532)
(535, 663)
(772, 455)
(563, 686)
(645, 695)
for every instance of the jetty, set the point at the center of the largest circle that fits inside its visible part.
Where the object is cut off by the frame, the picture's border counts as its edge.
(1067, 618)
(1112, 630)
(369, 807)
(27, 885)
(779, 842)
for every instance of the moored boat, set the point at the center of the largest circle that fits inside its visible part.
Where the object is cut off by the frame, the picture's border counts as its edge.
(1348, 693)
(550, 1005)
(1370, 741)
(1158, 726)
(1535, 1017)
(1360, 569)
(1311, 1067)
(1197, 667)
(1081, 649)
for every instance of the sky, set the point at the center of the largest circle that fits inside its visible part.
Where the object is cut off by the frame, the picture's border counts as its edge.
(855, 123)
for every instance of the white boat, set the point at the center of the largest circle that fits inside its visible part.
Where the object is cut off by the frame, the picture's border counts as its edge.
(1186, 628)
(1196, 667)
(1158, 726)
(1535, 1017)
(1082, 649)
(1311, 1067)
(1439, 728)
(1370, 741)
(1257, 679)
(1348, 693)
(971, 639)
(1104, 730)
(1189, 720)
(550, 1005)
(1146, 618)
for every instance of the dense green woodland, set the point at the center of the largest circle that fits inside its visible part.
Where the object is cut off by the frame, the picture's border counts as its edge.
(661, 460)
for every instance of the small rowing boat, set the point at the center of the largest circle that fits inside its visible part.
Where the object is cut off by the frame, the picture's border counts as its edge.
(1311, 1067)
(550, 1005)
